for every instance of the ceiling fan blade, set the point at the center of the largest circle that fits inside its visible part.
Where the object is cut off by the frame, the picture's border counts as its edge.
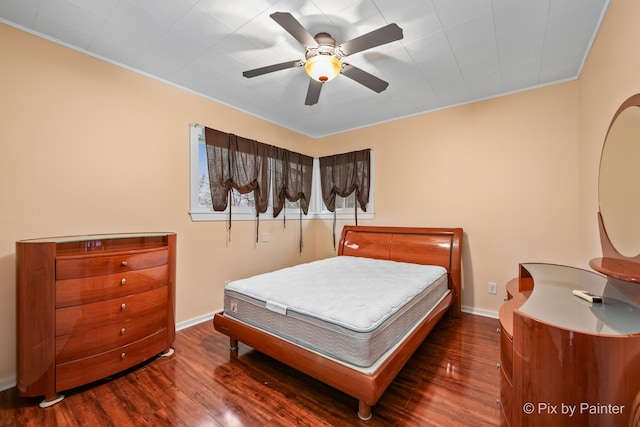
(313, 93)
(364, 78)
(387, 34)
(295, 28)
(271, 68)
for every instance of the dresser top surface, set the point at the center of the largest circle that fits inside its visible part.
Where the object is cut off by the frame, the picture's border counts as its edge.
(86, 237)
(552, 301)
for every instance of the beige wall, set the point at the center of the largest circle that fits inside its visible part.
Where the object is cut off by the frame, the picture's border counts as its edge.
(87, 147)
(609, 77)
(506, 170)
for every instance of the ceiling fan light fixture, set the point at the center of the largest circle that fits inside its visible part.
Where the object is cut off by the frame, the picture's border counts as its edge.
(323, 68)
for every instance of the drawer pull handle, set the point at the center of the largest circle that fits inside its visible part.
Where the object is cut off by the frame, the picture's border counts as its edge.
(123, 306)
(123, 281)
(122, 331)
(124, 263)
(497, 330)
(497, 365)
(122, 356)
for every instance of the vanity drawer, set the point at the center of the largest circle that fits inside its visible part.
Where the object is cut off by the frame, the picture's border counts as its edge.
(104, 338)
(506, 397)
(99, 288)
(85, 266)
(81, 317)
(506, 353)
(89, 369)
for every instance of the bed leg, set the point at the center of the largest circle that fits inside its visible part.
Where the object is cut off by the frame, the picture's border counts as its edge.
(233, 344)
(364, 411)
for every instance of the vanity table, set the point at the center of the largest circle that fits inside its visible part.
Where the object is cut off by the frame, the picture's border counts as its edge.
(566, 361)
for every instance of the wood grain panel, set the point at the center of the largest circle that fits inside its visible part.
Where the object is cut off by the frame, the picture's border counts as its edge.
(413, 247)
(35, 334)
(366, 244)
(172, 241)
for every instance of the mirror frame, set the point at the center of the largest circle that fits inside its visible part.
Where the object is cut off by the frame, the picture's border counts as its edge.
(613, 263)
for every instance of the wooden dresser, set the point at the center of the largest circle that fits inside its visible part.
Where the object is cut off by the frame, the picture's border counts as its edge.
(566, 361)
(91, 306)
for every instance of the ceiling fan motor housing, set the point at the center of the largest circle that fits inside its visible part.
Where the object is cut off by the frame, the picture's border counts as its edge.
(323, 61)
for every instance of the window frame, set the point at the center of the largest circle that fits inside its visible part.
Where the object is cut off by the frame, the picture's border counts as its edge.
(317, 208)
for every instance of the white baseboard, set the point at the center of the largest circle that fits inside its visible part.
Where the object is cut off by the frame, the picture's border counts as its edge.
(480, 312)
(7, 383)
(195, 321)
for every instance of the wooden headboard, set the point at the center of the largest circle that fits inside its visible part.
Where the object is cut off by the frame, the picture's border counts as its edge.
(419, 245)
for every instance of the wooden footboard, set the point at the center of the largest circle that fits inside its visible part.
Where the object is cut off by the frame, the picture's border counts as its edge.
(429, 246)
(366, 388)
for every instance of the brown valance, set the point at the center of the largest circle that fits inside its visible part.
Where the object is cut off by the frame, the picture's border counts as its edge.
(240, 163)
(249, 166)
(292, 174)
(343, 174)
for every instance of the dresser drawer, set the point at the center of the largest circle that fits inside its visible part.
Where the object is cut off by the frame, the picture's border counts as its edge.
(104, 338)
(84, 266)
(99, 288)
(81, 317)
(89, 369)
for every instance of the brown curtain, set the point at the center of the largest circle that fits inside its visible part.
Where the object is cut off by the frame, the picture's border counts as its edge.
(292, 173)
(240, 163)
(248, 165)
(341, 175)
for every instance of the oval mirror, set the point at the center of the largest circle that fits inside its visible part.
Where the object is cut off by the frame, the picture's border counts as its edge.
(619, 179)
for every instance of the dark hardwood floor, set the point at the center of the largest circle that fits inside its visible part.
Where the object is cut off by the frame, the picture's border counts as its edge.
(452, 379)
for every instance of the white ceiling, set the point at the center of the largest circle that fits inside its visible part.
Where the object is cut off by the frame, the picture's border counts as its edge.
(453, 51)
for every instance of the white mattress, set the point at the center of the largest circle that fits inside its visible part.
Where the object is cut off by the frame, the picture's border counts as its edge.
(349, 308)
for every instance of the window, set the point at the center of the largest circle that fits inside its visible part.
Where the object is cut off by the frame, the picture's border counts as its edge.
(243, 206)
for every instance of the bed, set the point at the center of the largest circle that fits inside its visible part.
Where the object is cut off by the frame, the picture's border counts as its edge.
(363, 352)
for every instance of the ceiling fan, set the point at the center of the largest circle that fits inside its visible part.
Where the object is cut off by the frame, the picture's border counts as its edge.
(323, 55)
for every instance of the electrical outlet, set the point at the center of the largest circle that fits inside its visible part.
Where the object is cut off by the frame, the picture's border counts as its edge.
(265, 237)
(492, 288)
